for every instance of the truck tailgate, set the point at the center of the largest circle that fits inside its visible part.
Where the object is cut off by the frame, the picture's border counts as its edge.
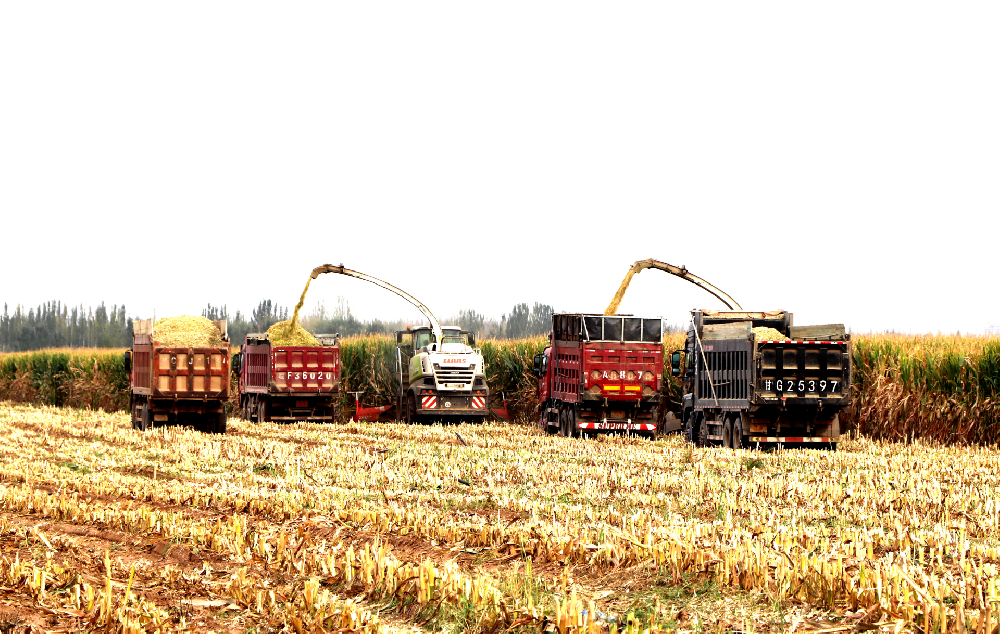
(305, 368)
(190, 372)
(817, 372)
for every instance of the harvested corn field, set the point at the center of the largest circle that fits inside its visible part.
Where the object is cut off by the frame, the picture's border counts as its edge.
(382, 527)
(187, 331)
(290, 333)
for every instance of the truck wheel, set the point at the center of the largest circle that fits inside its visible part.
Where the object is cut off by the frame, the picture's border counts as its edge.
(220, 423)
(262, 411)
(727, 433)
(145, 418)
(702, 424)
(136, 420)
(738, 440)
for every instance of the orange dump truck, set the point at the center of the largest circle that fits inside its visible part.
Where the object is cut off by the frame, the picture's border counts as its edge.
(178, 385)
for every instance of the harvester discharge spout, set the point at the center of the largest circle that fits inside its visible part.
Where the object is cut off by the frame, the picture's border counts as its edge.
(679, 271)
(330, 268)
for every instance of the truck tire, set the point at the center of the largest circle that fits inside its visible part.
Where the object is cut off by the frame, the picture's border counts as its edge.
(727, 433)
(219, 424)
(263, 413)
(739, 441)
(702, 429)
(145, 418)
(571, 428)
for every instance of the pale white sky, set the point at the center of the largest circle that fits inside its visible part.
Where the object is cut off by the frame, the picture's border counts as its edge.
(839, 160)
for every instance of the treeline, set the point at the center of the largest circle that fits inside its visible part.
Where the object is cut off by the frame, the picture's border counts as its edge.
(55, 325)
(522, 321)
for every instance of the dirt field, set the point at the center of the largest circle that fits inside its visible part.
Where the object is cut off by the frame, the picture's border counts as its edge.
(384, 527)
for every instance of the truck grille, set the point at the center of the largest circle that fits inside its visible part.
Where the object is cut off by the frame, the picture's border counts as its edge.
(455, 376)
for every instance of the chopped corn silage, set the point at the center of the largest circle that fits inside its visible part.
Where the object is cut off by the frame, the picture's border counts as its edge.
(287, 333)
(617, 299)
(187, 331)
(765, 333)
(302, 300)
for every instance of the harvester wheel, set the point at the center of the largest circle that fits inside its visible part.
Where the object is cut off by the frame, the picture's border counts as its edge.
(411, 409)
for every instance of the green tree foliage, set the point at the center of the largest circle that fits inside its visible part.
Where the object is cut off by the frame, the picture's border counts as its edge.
(525, 321)
(56, 325)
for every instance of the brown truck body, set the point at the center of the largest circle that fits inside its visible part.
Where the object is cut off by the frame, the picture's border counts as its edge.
(178, 385)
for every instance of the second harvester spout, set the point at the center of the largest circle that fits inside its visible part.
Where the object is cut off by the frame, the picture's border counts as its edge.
(679, 271)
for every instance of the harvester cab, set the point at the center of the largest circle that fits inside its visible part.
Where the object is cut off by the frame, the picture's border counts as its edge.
(440, 375)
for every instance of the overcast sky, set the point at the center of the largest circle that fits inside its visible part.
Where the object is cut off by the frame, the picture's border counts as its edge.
(838, 160)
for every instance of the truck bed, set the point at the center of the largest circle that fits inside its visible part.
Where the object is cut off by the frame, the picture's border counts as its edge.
(290, 369)
(178, 373)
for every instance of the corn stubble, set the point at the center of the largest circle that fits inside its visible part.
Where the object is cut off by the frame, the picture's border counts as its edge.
(307, 520)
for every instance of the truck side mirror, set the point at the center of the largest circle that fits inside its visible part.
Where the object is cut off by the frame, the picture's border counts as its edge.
(399, 337)
(675, 363)
(238, 363)
(128, 360)
(536, 368)
(472, 340)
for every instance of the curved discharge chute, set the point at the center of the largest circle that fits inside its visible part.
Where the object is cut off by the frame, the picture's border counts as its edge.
(679, 271)
(330, 268)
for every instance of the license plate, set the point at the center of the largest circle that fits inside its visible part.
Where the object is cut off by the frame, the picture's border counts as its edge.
(804, 386)
(301, 403)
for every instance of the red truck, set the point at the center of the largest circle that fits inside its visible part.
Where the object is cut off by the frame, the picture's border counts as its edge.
(177, 385)
(600, 373)
(288, 383)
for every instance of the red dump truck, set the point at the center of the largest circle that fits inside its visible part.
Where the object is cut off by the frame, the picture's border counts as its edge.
(601, 373)
(288, 383)
(177, 385)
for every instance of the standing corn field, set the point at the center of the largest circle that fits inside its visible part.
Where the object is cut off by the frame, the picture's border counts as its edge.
(941, 387)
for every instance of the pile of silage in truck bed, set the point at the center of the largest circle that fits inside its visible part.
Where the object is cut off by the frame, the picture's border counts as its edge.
(764, 333)
(187, 331)
(287, 333)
